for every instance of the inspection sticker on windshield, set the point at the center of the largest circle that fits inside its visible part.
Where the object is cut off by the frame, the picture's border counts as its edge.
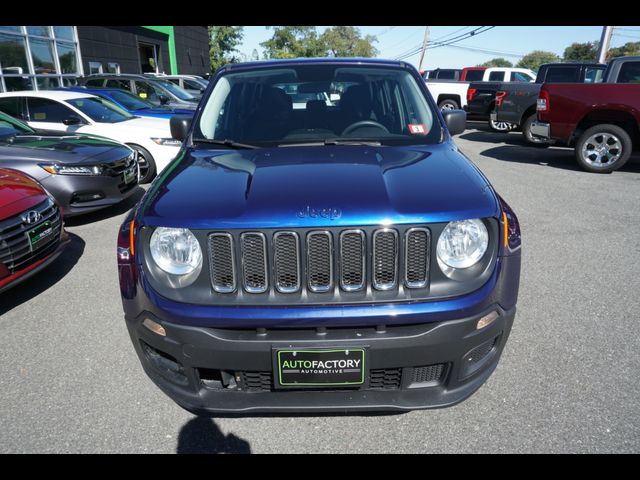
(417, 129)
(320, 367)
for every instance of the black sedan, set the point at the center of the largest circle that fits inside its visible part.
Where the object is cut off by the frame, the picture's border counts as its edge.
(83, 173)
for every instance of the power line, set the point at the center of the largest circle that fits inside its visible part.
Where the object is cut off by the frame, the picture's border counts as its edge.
(484, 50)
(450, 41)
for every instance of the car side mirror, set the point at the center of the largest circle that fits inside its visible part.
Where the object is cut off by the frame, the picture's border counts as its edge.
(180, 125)
(163, 99)
(456, 121)
(72, 120)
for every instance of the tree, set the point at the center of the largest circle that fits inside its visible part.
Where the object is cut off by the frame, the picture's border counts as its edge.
(587, 51)
(223, 41)
(628, 49)
(536, 58)
(345, 41)
(496, 62)
(293, 42)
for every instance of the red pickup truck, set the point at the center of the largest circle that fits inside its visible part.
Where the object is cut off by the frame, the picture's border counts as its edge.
(601, 121)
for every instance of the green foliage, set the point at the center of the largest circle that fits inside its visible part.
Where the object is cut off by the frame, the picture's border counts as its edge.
(626, 50)
(304, 41)
(496, 62)
(223, 43)
(345, 41)
(587, 51)
(536, 58)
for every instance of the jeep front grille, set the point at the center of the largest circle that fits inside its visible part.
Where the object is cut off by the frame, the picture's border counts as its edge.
(356, 262)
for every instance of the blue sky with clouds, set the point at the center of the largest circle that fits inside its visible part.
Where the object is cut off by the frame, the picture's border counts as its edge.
(509, 42)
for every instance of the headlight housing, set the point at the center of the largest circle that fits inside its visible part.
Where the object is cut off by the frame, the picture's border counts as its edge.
(171, 142)
(72, 169)
(462, 244)
(176, 251)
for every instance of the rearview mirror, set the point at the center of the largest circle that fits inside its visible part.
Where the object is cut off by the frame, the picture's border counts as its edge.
(456, 121)
(180, 125)
(72, 120)
(163, 99)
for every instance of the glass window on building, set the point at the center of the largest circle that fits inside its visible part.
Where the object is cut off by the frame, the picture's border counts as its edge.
(55, 58)
(39, 31)
(64, 33)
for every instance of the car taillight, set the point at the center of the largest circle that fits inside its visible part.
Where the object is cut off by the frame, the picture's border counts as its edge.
(500, 97)
(470, 93)
(542, 104)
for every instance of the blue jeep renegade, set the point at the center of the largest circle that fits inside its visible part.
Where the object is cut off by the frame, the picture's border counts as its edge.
(319, 244)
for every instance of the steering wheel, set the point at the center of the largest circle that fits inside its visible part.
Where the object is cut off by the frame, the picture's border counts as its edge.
(364, 123)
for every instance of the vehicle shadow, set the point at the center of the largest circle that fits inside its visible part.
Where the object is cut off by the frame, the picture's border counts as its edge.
(201, 435)
(105, 213)
(44, 280)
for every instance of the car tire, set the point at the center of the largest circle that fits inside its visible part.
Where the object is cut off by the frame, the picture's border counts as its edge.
(501, 127)
(147, 165)
(603, 142)
(448, 104)
(532, 140)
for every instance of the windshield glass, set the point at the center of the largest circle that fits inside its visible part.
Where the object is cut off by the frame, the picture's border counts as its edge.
(177, 91)
(130, 101)
(316, 103)
(100, 110)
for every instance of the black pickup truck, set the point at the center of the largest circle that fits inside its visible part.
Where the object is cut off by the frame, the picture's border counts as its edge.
(481, 98)
(515, 103)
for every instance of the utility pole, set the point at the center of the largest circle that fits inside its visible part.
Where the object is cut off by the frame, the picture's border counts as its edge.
(605, 40)
(424, 47)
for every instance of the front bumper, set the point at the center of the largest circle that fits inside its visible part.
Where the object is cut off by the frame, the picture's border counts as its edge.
(32, 269)
(541, 129)
(73, 192)
(190, 364)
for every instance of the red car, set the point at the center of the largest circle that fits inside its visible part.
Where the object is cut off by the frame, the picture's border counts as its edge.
(32, 232)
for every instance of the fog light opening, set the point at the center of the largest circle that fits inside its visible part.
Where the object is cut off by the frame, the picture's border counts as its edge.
(155, 327)
(487, 320)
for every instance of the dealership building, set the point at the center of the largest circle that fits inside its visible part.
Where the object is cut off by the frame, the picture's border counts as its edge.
(37, 58)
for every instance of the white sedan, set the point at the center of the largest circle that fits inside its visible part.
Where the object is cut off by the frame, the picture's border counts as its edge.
(81, 113)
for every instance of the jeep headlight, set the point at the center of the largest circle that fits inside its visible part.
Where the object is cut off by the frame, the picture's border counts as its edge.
(176, 251)
(462, 244)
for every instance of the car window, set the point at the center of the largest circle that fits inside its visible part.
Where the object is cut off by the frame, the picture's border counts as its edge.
(593, 74)
(100, 110)
(629, 73)
(375, 103)
(496, 76)
(11, 106)
(47, 110)
(558, 74)
(118, 83)
(520, 77)
(181, 93)
(146, 91)
(95, 82)
(192, 84)
(174, 80)
(130, 101)
(474, 75)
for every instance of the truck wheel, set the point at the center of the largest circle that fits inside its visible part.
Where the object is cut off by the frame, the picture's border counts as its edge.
(501, 126)
(603, 148)
(146, 164)
(448, 104)
(532, 140)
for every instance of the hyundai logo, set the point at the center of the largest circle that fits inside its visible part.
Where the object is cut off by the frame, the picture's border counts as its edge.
(31, 217)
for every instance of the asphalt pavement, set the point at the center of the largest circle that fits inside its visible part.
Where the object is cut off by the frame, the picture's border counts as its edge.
(568, 380)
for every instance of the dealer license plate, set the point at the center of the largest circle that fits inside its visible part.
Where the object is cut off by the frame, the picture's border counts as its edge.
(40, 235)
(313, 367)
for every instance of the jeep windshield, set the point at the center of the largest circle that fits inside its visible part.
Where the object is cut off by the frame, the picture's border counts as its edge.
(328, 104)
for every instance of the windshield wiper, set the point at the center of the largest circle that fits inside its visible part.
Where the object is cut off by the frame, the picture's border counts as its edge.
(226, 143)
(338, 141)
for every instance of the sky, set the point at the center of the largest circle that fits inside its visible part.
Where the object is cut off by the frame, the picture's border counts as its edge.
(510, 42)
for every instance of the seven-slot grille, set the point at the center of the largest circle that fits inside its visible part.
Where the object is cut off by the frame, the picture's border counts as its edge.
(318, 261)
(15, 247)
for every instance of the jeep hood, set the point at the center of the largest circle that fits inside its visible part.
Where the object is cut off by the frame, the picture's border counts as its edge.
(318, 186)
